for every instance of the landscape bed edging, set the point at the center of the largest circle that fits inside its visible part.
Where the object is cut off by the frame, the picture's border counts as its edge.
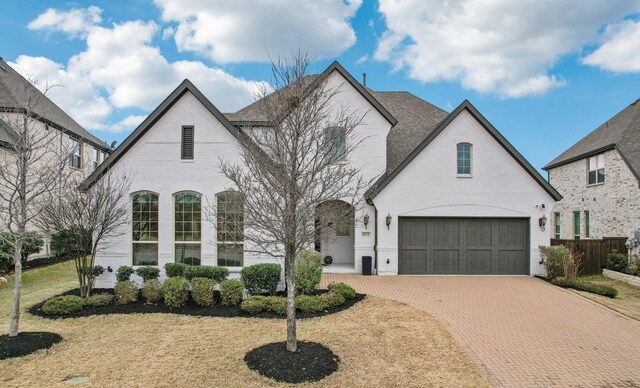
(633, 280)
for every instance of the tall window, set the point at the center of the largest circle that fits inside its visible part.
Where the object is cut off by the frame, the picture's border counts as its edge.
(576, 225)
(75, 153)
(187, 228)
(464, 159)
(335, 140)
(587, 226)
(230, 228)
(187, 142)
(96, 158)
(556, 217)
(596, 169)
(144, 226)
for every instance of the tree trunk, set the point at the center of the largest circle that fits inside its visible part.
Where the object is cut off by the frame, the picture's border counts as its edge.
(290, 275)
(15, 311)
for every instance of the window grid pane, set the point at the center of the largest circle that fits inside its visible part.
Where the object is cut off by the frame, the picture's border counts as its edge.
(557, 224)
(596, 165)
(230, 229)
(464, 158)
(576, 225)
(187, 217)
(188, 254)
(144, 228)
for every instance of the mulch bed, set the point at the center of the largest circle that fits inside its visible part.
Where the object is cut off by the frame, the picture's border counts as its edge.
(311, 362)
(189, 309)
(26, 343)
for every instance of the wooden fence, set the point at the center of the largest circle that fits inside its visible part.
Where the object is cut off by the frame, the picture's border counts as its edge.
(594, 251)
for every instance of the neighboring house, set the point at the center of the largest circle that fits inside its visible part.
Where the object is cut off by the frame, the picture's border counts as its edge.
(452, 196)
(599, 179)
(86, 152)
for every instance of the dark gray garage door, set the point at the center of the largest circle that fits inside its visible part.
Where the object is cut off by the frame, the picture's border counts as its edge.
(464, 246)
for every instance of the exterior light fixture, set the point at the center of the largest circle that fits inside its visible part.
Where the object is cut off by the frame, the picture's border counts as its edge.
(365, 220)
(388, 219)
(542, 222)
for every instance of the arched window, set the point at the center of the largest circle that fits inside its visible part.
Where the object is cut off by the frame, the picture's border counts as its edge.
(144, 227)
(464, 159)
(230, 228)
(335, 140)
(187, 228)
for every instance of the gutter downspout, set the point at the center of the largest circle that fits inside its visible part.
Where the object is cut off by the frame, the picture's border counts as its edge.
(375, 231)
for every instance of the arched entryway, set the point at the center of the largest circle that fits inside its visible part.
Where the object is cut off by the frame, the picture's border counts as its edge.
(336, 235)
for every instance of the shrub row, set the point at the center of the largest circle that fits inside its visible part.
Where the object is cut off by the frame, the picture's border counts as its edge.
(69, 304)
(599, 289)
(337, 295)
(218, 274)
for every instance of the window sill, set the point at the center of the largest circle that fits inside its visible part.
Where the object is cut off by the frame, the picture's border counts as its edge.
(187, 161)
(595, 184)
(464, 176)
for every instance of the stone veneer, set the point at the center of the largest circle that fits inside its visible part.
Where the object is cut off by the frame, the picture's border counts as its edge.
(614, 206)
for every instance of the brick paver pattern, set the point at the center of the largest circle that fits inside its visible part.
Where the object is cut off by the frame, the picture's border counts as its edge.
(520, 330)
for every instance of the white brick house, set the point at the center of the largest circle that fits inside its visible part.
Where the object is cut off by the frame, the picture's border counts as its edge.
(452, 196)
(599, 179)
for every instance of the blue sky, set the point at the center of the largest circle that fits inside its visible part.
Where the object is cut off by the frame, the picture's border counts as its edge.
(545, 76)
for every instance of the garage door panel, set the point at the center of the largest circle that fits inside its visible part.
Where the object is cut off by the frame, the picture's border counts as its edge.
(512, 233)
(414, 261)
(446, 260)
(478, 261)
(511, 262)
(413, 232)
(443, 232)
(478, 233)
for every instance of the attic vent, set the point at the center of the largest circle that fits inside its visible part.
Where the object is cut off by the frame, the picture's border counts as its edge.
(187, 142)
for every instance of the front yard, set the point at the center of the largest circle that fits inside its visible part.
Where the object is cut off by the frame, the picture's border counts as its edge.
(379, 342)
(626, 302)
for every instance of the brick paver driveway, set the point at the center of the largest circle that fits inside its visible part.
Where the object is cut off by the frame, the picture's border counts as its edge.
(520, 330)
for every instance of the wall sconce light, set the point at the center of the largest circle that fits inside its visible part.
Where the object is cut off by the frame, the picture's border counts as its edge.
(542, 222)
(365, 220)
(388, 219)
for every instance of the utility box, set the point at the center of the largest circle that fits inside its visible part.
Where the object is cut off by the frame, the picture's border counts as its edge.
(366, 265)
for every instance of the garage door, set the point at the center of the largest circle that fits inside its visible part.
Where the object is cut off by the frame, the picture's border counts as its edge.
(463, 246)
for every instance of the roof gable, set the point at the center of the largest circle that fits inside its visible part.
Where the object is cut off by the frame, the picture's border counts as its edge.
(466, 105)
(157, 114)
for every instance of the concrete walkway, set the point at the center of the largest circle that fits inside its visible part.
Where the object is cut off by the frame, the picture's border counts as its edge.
(520, 330)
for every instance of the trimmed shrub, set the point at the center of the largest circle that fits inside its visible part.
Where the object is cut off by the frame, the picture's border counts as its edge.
(277, 304)
(126, 292)
(554, 259)
(331, 299)
(123, 273)
(31, 244)
(202, 291)
(261, 277)
(152, 291)
(148, 273)
(175, 291)
(63, 305)
(343, 289)
(616, 262)
(580, 285)
(308, 271)
(174, 269)
(309, 304)
(99, 300)
(218, 274)
(255, 304)
(231, 292)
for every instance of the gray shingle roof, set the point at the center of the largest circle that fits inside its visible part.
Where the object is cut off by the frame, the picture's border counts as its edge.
(15, 91)
(622, 132)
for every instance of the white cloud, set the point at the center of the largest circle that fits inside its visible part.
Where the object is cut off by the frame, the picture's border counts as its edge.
(498, 46)
(233, 31)
(362, 59)
(168, 33)
(620, 52)
(127, 124)
(75, 22)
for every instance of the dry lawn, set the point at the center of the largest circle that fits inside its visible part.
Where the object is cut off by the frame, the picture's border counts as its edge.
(379, 342)
(627, 302)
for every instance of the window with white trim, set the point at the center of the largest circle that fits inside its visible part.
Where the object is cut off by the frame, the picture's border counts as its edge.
(144, 227)
(464, 158)
(96, 158)
(596, 169)
(75, 153)
(187, 223)
(335, 142)
(230, 228)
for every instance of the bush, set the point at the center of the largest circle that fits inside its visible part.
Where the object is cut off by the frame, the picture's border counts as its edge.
(257, 304)
(308, 271)
(554, 259)
(345, 290)
(126, 292)
(174, 269)
(148, 273)
(616, 262)
(231, 292)
(202, 291)
(576, 284)
(309, 304)
(63, 305)
(31, 244)
(331, 299)
(123, 273)
(261, 277)
(67, 242)
(634, 266)
(98, 300)
(218, 274)
(175, 291)
(277, 304)
(152, 291)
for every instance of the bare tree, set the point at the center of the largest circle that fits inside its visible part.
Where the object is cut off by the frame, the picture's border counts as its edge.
(32, 168)
(294, 166)
(86, 218)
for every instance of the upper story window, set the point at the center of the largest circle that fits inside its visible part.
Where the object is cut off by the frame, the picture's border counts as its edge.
(596, 169)
(96, 158)
(335, 140)
(187, 142)
(144, 228)
(75, 153)
(556, 218)
(230, 228)
(187, 228)
(464, 159)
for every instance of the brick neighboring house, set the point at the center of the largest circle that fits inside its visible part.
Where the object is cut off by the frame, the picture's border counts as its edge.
(599, 180)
